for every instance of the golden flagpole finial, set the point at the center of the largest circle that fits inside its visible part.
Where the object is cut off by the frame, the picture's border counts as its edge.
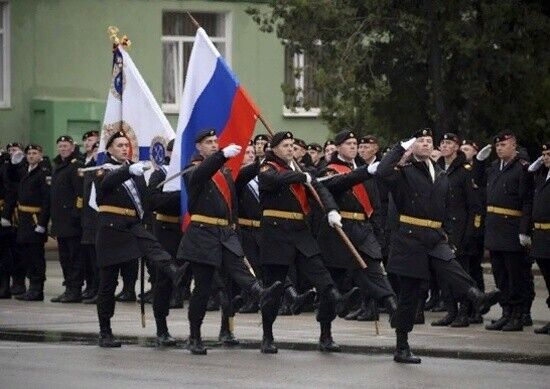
(116, 40)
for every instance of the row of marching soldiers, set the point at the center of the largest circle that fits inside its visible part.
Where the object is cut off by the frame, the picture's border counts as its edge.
(268, 236)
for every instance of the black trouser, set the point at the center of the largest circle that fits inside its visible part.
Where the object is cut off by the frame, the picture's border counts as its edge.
(472, 265)
(203, 274)
(108, 281)
(129, 273)
(544, 266)
(411, 290)
(91, 270)
(35, 262)
(372, 281)
(7, 251)
(315, 272)
(71, 262)
(529, 282)
(508, 268)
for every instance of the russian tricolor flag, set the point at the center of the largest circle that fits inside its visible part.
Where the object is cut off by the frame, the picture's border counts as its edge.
(212, 98)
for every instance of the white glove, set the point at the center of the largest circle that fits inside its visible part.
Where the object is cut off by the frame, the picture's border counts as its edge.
(231, 151)
(138, 168)
(408, 143)
(39, 229)
(17, 157)
(373, 167)
(535, 165)
(334, 219)
(308, 178)
(484, 153)
(5, 222)
(524, 240)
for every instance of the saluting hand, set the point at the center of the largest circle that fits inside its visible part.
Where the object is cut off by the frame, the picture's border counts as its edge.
(484, 153)
(535, 165)
(231, 151)
(17, 157)
(407, 144)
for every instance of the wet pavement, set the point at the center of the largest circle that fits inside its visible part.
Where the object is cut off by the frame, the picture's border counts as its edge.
(59, 365)
(77, 324)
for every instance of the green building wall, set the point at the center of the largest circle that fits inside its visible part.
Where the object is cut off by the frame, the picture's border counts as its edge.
(61, 60)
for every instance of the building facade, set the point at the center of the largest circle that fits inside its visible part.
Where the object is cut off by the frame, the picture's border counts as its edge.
(55, 62)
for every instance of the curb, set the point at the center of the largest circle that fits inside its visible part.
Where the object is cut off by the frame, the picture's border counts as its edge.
(22, 335)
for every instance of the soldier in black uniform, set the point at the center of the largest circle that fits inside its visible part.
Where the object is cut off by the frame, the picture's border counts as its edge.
(121, 236)
(509, 205)
(540, 249)
(462, 208)
(260, 141)
(13, 264)
(420, 192)
(300, 153)
(287, 239)
(357, 207)
(167, 229)
(89, 221)
(210, 241)
(66, 205)
(315, 151)
(33, 206)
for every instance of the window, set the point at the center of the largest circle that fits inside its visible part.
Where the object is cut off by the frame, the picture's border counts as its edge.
(4, 54)
(300, 96)
(178, 34)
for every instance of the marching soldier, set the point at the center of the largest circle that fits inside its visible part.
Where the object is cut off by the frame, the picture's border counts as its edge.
(210, 241)
(89, 221)
(167, 229)
(420, 191)
(121, 236)
(315, 151)
(540, 249)
(357, 205)
(33, 206)
(328, 149)
(462, 208)
(286, 239)
(509, 205)
(260, 141)
(66, 204)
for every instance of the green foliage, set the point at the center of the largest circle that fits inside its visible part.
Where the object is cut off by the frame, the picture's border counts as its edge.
(388, 67)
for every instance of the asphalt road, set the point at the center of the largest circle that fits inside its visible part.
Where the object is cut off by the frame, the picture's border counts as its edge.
(59, 365)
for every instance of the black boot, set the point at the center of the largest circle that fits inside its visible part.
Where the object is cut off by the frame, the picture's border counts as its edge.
(18, 286)
(353, 315)
(439, 307)
(501, 322)
(195, 341)
(403, 353)
(267, 296)
(298, 301)
(476, 318)
(543, 330)
(165, 340)
(419, 317)
(126, 296)
(147, 297)
(107, 340)
(35, 293)
(226, 332)
(526, 320)
(371, 311)
(89, 292)
(5, 292)
(268, 346)
(432, 301)
(449, 317)
(326, 343)
(344, 303)
(284, 309)
(72, 295)
(251, 305)
(90, 301)
(213, 303)
(462, 319)
(390, 303)
(515, 323)
(483, 302)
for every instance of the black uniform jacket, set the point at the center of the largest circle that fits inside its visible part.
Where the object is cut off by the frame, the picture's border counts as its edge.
(510, 188)
(34, 192)
(202, 242)
(88, 214)
(416, 195)
(280, 238)
(541, 214)
(66, 197)
(250, 209)
(117, 235)
(464, 206)
(361, 233)
(164, 204)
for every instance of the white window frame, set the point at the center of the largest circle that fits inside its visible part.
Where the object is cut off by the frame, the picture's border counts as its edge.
(173, 108)
(5, 31)
(299, 82)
